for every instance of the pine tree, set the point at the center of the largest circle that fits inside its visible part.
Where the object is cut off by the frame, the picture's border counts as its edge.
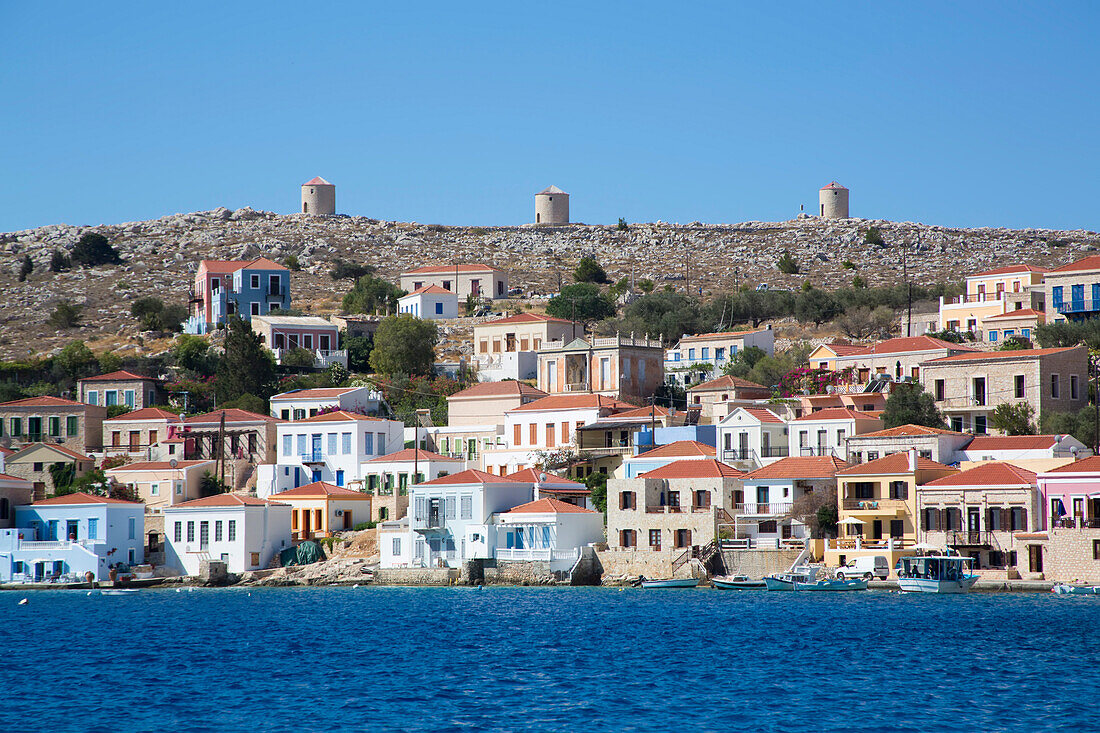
(246, 367)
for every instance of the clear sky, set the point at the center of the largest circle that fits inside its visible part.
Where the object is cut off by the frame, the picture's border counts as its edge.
(961, 114)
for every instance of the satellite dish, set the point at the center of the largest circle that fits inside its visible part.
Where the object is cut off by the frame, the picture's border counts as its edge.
(173, 463)
(542, 477)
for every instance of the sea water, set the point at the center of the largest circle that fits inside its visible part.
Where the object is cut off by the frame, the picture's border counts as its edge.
(546, 659)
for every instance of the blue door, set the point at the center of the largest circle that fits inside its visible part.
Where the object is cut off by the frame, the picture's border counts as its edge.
(340, 478)
(316, 447)
(316, 475)
(297, 477)
(1077, 298)
(1056, 297)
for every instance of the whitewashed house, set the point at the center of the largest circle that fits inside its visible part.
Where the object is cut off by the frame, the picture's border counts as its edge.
(825, 432)
(65, 537)
(700, 357)
(243, 531)
(770, 492)
(1034, 452)
(329, 447)
(394, 543)
(430, 302)
(302, 403)
(401, 469)
(752, 437)
(547, 530)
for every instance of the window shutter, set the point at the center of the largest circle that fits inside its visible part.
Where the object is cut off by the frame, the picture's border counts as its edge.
(1006, 518)
(941, 519)
(924, 520)
(1023, 519)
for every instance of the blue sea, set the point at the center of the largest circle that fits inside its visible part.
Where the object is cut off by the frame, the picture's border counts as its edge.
(546, 659)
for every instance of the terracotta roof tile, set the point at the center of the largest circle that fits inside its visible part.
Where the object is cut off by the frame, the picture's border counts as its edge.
(1012, 442)
(680, 449)
(573, 402)
(223, 500)
(836, 413)
(156, 466)
(524, 318)
(718, 335)
(1091, 262)
(727, 382)
(52, 446)
(323, 393)
(895, 463)
(44, 401)
(796, 467)
(906, 344)
(993, 473)
(1021, 313)
(763, 414)
(469, 476)
(907, 431)
(508, 388)
(320, 489)
(1085, 465)
(339, 416)
(709, 468)
(548, 506)
(1018, 354)
(232, 414)
(409, 454)
(81, 497)
(146, 413)
(429, 290)
(642, 412)
(118, 376)
(1008, 270)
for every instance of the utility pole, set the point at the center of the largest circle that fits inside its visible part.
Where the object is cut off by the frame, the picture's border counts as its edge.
(1094, 362)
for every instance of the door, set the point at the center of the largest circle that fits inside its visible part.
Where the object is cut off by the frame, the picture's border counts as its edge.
(348, 524)
(316, 444)
(34, 429)
(1035, 558)
(742, 446)
(306, 514)
(765, 444)
(973, 523)
(135, 441)
(340, 477)
(761, 498)
(316, 475)
(71, 529)
(876, 529)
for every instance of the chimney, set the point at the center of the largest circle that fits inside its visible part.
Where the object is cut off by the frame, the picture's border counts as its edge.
(912, 459)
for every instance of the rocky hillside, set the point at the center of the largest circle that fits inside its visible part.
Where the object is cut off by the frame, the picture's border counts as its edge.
(162, 255)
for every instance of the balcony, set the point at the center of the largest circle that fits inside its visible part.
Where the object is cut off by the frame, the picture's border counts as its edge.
(774, 508)
(873, 505)
(545, 554)
(986, 298)
(671, 509)
(313, 458)
(615, 450)
(1076, 305)
(1076, 523)
(751, 454)
(577, 387)
(971, 538)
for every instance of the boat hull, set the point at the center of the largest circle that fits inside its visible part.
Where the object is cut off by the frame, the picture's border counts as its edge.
(1076, 590)
(671, 583)
(926, 585)
(832, 585)
(738, 584)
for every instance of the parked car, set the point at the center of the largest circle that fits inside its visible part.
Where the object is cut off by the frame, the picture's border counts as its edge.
(867, 567)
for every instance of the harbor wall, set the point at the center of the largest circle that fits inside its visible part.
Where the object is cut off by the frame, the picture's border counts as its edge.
(758, 563)
(1068, 556)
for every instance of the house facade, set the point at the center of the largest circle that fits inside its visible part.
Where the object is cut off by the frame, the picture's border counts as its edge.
(764, 513)
(319, 509)
(1017, 323)
(1073, 290)
(937, 444)
(246, 288)
(430, 302)
(624, 367)
(389, 477)
(121, 388)
(14, 491)
(244, 435)
(282, 334)
(896, 359)
(139, 434)
(480, 281)
(702, 357)
(302, 403)
(993, 293)
(244, 532)
(73, 425)
(159, 483)
(826, 432)
(34, 461)
(710, 397)
(547, 530)
(507, 348)
(751, 437)
(968, 387)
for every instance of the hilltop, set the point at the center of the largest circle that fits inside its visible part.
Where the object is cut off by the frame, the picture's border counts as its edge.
(162, 255)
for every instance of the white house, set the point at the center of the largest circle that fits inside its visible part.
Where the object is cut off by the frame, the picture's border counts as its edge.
(752, 437)
(770, 492)
(450, 520)
(244, 532)
(71, 535)
(430, 302)
(548, 530)
(328, 447)
(395, 543)
(702, 356)
(1033, 452)
(396, 470)
(302, 403)
(825, 432)
(681, 450)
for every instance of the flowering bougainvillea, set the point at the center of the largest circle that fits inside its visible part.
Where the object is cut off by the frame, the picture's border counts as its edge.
(805, 380)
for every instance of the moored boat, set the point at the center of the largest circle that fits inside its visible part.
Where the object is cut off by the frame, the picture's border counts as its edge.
(1066, 589)
(668, 582)
(118, 591)
(738, 582)
(936, 574)
(832, 585)
(786, 581)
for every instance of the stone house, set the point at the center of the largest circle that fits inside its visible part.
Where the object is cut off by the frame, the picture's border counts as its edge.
(978, 512)
(624, 367)
(140, 433)
(247, 435)
(724, 391)
(937, 444)
(33, 462)
(1073, 290)
(968, 387)
(75, 425)
(481, 281)
(672, 509)
(1022, 323)
(121, 388)
(507, 348)
(281, 334)
(895, 359)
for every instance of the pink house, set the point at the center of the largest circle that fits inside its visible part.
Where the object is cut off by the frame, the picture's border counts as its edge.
(1070, 495)
(247, 288)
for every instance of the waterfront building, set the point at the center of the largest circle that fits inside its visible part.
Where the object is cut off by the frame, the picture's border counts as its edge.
(163, 483)
(389, 477)
(765, 510)
(319, 509)
(121, 388)
(242, 531)
(662, 455)
(1068, 547)
(547, 530)
(751, 437)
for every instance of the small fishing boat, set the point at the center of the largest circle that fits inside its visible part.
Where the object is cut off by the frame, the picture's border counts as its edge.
(738, 582)
(803, 575)
(937, 574)
(118, 591)
(668, 582)
(832, 585)
(1065, 589)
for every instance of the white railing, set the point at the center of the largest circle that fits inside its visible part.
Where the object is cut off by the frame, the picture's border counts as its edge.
(321, 359)
(763, 508)
(54, 544)
(545, 554)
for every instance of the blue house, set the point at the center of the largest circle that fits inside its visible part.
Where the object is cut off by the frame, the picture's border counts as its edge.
(65, 537)
(222, 288)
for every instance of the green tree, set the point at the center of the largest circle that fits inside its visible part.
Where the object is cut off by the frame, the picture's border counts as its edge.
(873, 236)
(297, 358)
(953, 337)
(623, 226)
(1015, 343)
(620, 287)
(26, 268)
(1014, 419)
(743, 362)
(337, 374)
(148, 310)
(787, 264)
(584, 300)
(342, 270)
(909, 404)
(669, 315)
(76, 360)
(59, 261)
(92, 250)
(863, 322)
(108, 362)
(597, 484)
(359, 348)
(859, 283)
(816, 306)
(66, 314)
(292, 264)
(1080, 424)
(646, 285)
(246, 367)
(249, 402)
(211, 485)
(589, 271)
(193, 354)
(371, 294)
(404, 344)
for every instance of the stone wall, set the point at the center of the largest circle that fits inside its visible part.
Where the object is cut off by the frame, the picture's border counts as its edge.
(532, 572)
(416, 576)
(1068, 556)
(758, 563)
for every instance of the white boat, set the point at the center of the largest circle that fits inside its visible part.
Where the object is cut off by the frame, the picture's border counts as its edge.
(937, 574)
(738, 582)
(118, 591)
(668, 582)
(1076, 590)
(804, 575)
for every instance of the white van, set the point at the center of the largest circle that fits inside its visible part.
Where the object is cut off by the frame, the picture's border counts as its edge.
(868, 567)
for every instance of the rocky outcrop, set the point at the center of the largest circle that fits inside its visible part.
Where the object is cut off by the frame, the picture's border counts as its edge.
(162, 255)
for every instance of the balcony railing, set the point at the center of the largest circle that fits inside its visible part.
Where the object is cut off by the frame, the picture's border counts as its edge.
(751, 454)
(1076, 305)
(990, 298)
(971, 538)
(577, 387)
(617, 450)
(763, 508)
(1077, 523)
(872, 504)
(862, 543)
(546, 554)
(670, 509)
(315, 457)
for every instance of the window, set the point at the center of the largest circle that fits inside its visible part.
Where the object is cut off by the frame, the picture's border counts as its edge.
(288, 445)
(129, 398)
(1054, 386)
(37, 467)
(993, 336)
(301, 445)
(628, 538)
(467, 507)
(93, 397)
(655, 539)
(254, 282)
(232, 530)
(179, 488)
(627, 500)
(449, 507)
(940, 390)
(93, 528)
(54, 426)
(218, 531)
(255, 557)
(533, 433)
(863, 490)
(368, 443)
(706, 352)
(381, 440)
(204, 535)
(396, 546)
(255, 309)
(16, 427)
(1073, 387)
(345, 443)
(899, 490)
(1020, 389)
(154, 489)
(550, 441)
(177, 535)
(1096, 549)
(190, 531)
(872, 455)
(332, 444)
(897, 528)
(517, 437)
(439, 309)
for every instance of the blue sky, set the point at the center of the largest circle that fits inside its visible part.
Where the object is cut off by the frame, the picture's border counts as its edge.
(960, 114)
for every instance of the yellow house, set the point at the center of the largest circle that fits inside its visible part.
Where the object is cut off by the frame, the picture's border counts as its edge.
(877, 506)
(993, 293)
(319, 509)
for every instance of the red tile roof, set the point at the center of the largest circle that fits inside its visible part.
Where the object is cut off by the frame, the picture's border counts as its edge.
(8, 477)
(835, 185)
(845, 349)
(157, 465)
(510, 388)
(447, 269)
(1018, 354)
(1012, 442)
(907, 344)
(1021, 313)
(118, 376)
(232, 415)
(53, 446)
(836, 413)
(339, 416)
(45, 401)
(469, 476)
(906, 431)
(895, 463)
(548, 506)
(993, 473)
(322, 393)
(709, 468)
(146, 413)
(680, 449)
(762, 414)
(574, 402)
(1009, 270)
(223, 267)
(526, 318)
(262, 263)
(796, 467)
(320, 489)
(410, 455)
(530, 475)
(727, 382)
(642, 412)
(81, 497)
(1085, 465)
(224, 500)
(430, 290)
(1091, 262)
(317, 181)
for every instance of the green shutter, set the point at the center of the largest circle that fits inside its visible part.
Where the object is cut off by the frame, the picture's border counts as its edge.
(72, 425)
